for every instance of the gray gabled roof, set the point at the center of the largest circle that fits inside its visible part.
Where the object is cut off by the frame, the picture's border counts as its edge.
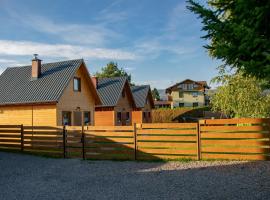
(110, 89)
(140, 94)
(17, 87)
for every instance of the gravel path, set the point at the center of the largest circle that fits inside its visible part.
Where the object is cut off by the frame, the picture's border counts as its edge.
(31, 177)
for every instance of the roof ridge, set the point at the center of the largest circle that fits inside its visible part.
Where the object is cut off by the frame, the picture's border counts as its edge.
(72, 60)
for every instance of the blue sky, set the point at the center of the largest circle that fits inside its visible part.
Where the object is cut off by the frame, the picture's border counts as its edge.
(157, 41)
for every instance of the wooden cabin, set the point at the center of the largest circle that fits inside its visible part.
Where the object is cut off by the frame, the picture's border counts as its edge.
(144, 104)
(117, 102)
(50, 94)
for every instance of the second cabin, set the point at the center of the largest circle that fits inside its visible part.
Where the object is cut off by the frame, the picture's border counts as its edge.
(144, 104)
(117, 102)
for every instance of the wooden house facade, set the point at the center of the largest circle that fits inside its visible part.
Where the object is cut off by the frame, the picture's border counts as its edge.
(50, 94)
(144, 104)
(117, 102)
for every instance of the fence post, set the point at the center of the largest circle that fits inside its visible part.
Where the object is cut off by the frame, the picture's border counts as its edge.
(64, 141)
(199, 139)
(22, 138)
(135, 141)
(83, 143)
(199, 153)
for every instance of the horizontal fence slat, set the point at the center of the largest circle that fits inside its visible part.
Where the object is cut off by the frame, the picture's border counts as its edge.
(110, 139)
(10, 126)
(169, 125)
(9, 131)
(10, 136)
(107, 151)
(233, 128)
(235, 156)
(165, 131)
(235, 142)
(235, 121)
(235, 149)
(43, 133)
(235, 135)
(2, 144)
(166, 144)
(109, 156)
(109, 133)
(109, 145)
(109, 128)
(59, 128)
(167, 151)
(142, 156)
(166, 138)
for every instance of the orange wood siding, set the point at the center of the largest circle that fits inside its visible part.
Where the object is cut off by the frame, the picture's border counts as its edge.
(124, 105)
(37, 115)
(137, 116)
(72, 100)
(104, 118)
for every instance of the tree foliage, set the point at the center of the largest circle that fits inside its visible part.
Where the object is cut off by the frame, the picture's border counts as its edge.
(241, 96)
(112, 70)
(238, 32)
(155, 94)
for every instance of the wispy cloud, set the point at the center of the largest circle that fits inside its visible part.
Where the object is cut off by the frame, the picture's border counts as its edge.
(23, 48)
(112, 13)
(87, 34)
(7, 61)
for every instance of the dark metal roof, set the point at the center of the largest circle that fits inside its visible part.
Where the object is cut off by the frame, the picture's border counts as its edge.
(140, 94)
(110, 90)
(17, 87)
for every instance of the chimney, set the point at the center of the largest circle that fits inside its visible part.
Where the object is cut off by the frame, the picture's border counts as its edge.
(95, 81)
(36, 67)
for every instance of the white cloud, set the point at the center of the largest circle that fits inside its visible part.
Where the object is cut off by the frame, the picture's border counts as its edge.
(91, 34)
(23, 48)
(9, 61)
(129, 69)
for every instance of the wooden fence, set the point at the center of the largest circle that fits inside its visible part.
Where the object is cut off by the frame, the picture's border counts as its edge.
(246, 139)
(167, 141)
(240, 139)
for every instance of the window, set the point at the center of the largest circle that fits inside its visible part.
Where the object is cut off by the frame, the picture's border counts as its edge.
(87, 118)
(119, 117)
(66, 118)
(190, 86)
(195, 94)
(181, 104)
(123, 94)
(195, 104)
(77, 84)
(127, 117)
(144, 116)
(181, 94)
(149, 115)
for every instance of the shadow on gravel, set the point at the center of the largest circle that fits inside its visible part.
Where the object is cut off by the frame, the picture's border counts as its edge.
(32, 177)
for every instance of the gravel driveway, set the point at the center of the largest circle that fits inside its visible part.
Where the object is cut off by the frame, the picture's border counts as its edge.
(32, 177)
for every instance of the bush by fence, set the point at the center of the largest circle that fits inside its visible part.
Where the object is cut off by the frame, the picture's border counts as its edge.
(177, 114)
(240, 139)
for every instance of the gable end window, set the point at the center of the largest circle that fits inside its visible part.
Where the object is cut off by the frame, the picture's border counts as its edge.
(77, 84)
